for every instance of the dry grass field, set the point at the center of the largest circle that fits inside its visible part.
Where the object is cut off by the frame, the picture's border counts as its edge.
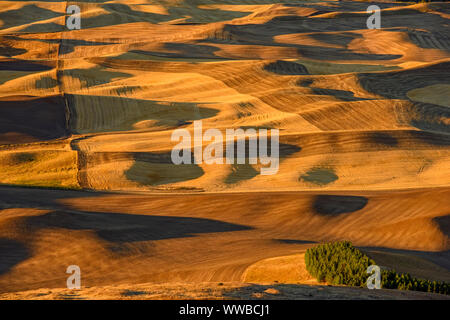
(86, 119)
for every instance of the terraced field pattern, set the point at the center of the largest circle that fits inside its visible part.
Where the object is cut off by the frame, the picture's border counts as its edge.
(87, 116)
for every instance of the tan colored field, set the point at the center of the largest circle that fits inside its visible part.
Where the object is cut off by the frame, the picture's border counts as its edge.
(129, 239)
(364, 127)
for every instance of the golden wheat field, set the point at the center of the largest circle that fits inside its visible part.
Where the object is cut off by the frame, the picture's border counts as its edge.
(87, 118)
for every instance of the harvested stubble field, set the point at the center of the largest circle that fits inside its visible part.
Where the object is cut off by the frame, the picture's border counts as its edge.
(364, 124)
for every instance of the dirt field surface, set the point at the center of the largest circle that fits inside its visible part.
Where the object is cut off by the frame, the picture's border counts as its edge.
(221, 291)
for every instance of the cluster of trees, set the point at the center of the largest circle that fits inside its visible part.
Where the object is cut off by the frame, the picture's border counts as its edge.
(403, 281)
(341, 263)
(338, 263)
(420, 1)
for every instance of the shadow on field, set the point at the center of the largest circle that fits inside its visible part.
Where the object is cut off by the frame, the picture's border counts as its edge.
(122, 228)
(431, 265)
(334, 205)
(25, 119)
(311, 292)
(155, 169)
(11, 253)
